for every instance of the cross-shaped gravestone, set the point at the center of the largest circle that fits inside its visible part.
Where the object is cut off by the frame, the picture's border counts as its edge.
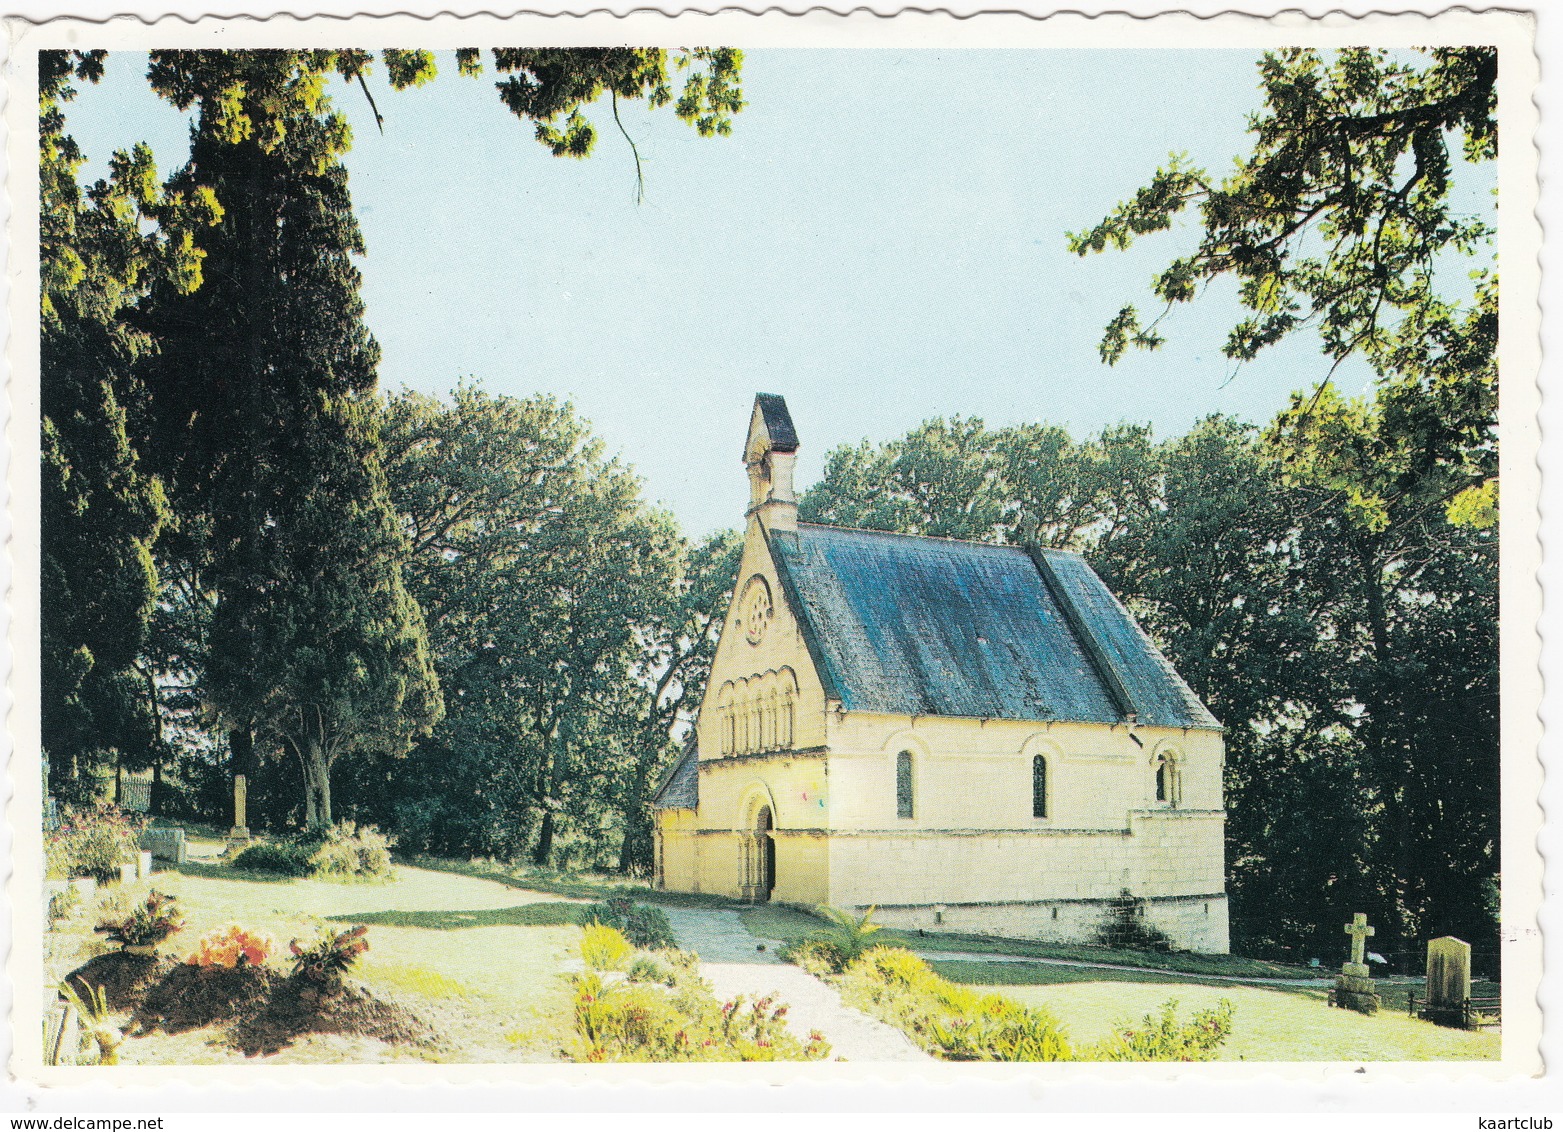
(1354, 989)
(1359, 932)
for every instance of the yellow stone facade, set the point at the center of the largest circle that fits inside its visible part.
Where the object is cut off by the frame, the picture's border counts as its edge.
(798, 800)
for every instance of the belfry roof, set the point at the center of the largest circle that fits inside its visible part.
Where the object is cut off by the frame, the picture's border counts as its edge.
(908, 625)
(778, 421)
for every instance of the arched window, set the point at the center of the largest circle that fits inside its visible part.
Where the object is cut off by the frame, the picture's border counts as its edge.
(1168, 786)
(1038, 787)
(903, 785)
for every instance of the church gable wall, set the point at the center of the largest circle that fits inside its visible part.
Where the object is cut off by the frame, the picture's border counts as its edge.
(762, 695)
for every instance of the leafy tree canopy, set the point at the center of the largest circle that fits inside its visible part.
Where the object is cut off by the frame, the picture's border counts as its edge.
(1341, 219)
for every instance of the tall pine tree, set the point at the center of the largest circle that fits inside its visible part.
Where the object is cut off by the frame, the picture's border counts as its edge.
(100, 511)
(262, 417)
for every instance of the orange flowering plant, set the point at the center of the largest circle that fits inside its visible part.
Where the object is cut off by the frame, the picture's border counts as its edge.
(231, 946)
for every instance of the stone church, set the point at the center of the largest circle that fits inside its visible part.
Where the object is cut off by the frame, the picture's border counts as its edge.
(974, 738)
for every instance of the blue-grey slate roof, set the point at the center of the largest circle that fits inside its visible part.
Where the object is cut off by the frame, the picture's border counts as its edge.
(907, 625)
(680, 787)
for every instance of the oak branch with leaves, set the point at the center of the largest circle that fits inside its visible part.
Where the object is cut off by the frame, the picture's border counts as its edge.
(1341, 220)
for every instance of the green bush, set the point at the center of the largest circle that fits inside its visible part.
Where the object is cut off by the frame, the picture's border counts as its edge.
(63, 903)
(1163, 1038)
(644, 926)
(604, 948)
(647, 968)
(325, 961)
(148, 922)
(92, 842)
(647, 1022)
(285, 858)
(818, 954)
(344, 852)
(352, 851)
(957, 1023)
(830, 951)
(948, 1020)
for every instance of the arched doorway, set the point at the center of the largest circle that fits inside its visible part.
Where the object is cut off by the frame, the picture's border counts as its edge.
(766, 844)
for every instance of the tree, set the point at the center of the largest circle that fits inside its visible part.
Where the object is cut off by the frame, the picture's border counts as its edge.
(100, 511)
(565, 625)
(1342, 219)
(1324, 224)
(678, 642)
(261, 406)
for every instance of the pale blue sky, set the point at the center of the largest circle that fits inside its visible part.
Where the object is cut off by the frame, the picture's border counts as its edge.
(881, 240)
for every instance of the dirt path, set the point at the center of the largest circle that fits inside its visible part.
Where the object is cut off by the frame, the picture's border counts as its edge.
(736, 963)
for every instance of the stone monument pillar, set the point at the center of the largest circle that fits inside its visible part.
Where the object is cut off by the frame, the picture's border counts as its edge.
(240, 833)
(1448, 982)
(1354, 990)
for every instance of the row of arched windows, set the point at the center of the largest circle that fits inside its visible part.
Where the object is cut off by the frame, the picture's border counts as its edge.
(758, 713)
(1169, 784)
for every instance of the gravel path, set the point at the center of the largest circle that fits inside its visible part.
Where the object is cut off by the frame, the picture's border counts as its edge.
(732, 961)
(812, 1005)
(717, 935)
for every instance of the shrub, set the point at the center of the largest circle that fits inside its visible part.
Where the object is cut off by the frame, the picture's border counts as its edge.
(63, 903)
(604, 948)
(92, 842)
(646, 968)
(644, 926)
(150, 922)
(818, 954)
(830, 951)
(645, 1022)
(350, 850)
(1163, 1038)
(286, 858)
(231, 946)
(948, 1020)
(325, 961)
(957, 1023)
(850, 933)
(345, 851)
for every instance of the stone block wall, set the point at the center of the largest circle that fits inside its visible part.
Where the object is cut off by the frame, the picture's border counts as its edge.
(1192, 923)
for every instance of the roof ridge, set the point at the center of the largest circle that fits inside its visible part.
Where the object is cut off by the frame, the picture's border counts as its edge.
(932, 538)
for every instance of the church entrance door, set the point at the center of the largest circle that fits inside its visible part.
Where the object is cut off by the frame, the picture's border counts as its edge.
(767, 846)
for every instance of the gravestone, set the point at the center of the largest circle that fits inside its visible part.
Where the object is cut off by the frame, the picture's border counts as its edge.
(166, 844)
(1448, 982)
(239, 835)
(1354, 990)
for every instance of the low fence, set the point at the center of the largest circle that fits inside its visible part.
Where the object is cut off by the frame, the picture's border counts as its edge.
(1475, 1013)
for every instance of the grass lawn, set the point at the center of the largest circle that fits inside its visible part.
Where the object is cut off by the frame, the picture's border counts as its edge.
(771, 921)
(478, 962)
(1268, 1024)
(578, 886)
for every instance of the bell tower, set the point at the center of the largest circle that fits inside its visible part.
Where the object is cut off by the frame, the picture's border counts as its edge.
(769, 456)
